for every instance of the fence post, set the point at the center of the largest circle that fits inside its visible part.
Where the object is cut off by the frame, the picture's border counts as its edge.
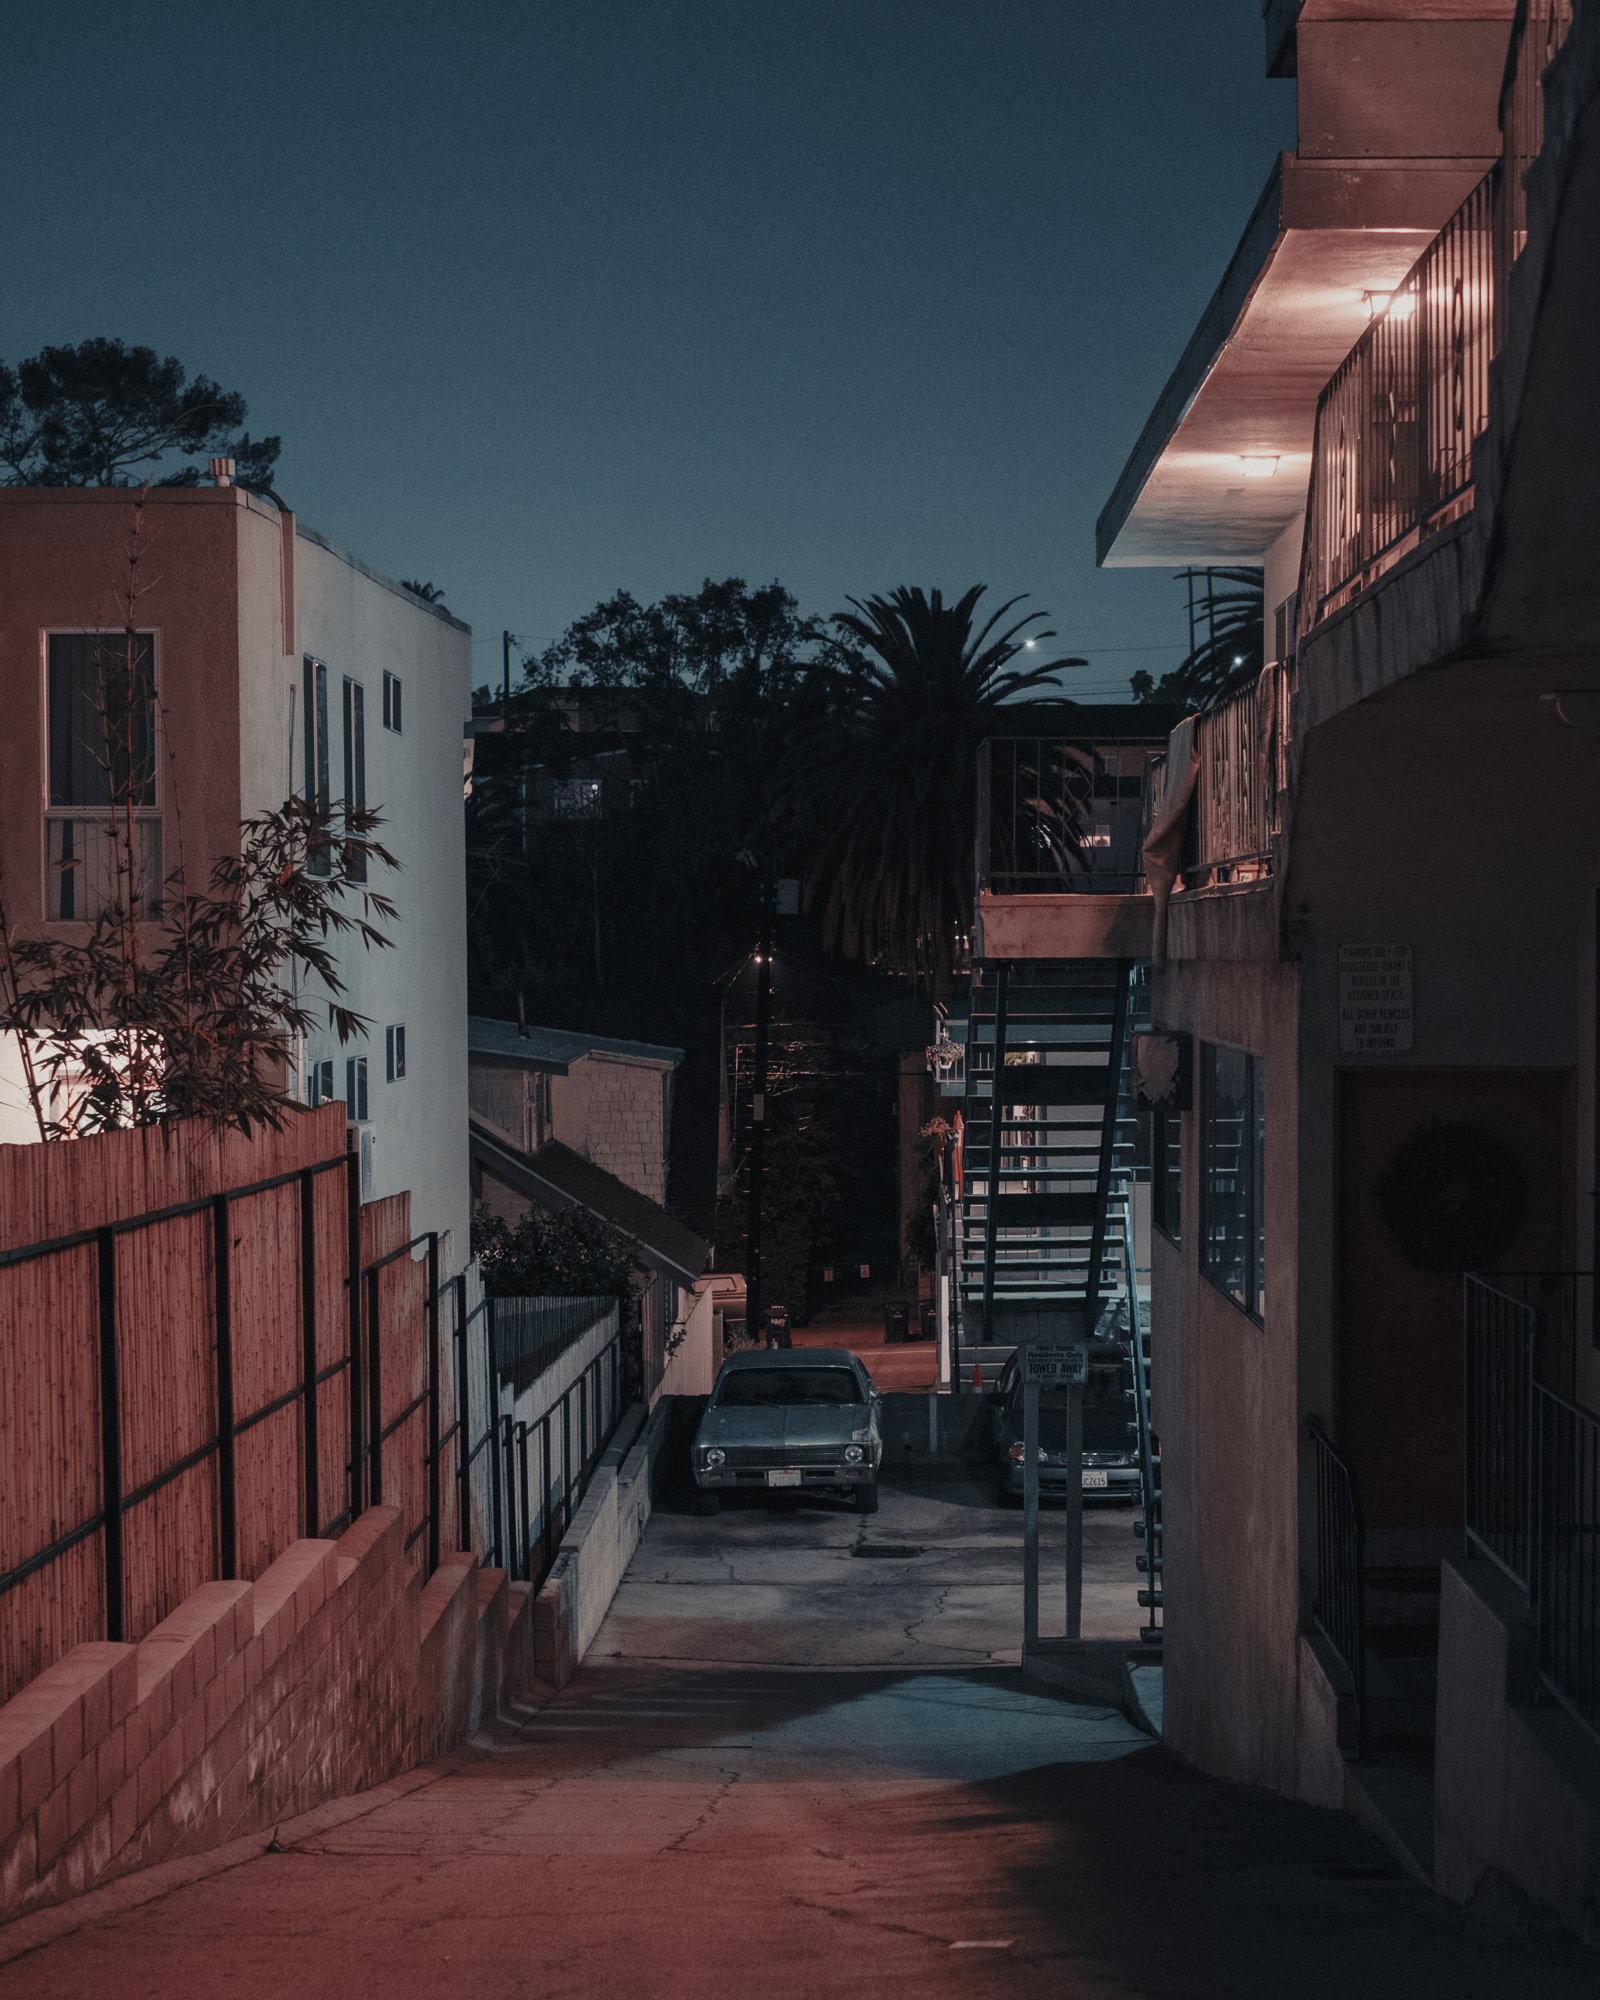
(227, 1523)
(492, 1438)
(433, 1401)
(545, 1526)
(507, 1447)
(566, 1459)
(352, 1180)
(527, 1513)
(375, 1379)
(110, 1432)
(464, 1443)
(308, 1336)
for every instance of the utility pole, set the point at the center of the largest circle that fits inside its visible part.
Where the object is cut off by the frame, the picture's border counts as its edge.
(754, 1324)
(505, 657)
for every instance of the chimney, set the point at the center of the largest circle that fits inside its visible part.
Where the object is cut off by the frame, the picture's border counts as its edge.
(522, 1015)
(222, 472)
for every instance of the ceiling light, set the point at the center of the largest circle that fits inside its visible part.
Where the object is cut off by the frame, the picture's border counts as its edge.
(1259, 468)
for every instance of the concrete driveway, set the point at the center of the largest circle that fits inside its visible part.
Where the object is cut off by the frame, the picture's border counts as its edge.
(793, 1770)
(934, 1578)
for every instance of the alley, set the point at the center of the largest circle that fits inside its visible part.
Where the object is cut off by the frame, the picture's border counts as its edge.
(792, 1765)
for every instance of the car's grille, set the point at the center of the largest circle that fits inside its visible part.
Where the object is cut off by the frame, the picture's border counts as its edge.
(784, 1454)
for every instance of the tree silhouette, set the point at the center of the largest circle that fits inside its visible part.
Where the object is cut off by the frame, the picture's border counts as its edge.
(90, 415)
(880, 792)
(1227, 641)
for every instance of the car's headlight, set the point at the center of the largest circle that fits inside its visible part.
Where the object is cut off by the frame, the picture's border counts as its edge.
(712, 1456)
(852, 1454)
(1016, 1455)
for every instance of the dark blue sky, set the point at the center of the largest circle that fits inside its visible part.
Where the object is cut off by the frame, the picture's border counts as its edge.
(548, 300)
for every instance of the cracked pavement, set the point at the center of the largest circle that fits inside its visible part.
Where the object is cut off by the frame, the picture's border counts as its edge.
(788, 1769)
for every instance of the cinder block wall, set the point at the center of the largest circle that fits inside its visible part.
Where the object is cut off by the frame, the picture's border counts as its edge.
(336, 1670)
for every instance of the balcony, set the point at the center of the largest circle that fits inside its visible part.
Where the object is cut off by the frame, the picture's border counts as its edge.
(1061, 824)
(1391, 461)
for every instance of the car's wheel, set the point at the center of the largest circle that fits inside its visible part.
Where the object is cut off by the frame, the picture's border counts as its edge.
(707, 1503)
(867, 1498)
(1004, 1494)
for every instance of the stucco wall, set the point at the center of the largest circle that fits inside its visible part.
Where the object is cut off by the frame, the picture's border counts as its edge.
(1227, 1414)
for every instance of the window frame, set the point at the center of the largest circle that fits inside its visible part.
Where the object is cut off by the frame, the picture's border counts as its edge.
(392, 705)
(357, 1101)
(317, 761)
(1166, 1171)
(394, 1053)
(150, 814)
(353, 727)
(1249, 1172)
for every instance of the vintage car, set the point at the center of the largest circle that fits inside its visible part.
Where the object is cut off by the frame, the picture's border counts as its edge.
(1110, 1431)
(787, 1418)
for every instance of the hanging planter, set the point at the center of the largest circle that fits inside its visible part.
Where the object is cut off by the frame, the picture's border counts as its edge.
(1453, 1197)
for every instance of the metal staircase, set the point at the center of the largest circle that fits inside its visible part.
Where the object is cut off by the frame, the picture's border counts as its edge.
(1148, 1525)
(1055, 1237)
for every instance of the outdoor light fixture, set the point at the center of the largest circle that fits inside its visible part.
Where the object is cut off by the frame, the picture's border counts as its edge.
(1389, 305)
(1259, 468)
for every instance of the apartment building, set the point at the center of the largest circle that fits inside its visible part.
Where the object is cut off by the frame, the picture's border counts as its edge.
(278, 663)
(1369, 897)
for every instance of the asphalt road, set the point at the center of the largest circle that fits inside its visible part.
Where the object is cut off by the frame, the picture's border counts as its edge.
(792, 1769)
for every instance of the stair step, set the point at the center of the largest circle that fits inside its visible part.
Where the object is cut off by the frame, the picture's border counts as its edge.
(1150, 1599)
(1144, 1563)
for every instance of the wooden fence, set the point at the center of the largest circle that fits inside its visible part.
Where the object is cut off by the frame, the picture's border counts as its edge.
(188, 1379)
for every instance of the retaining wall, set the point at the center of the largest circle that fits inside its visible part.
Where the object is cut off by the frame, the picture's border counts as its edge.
(337, 1669)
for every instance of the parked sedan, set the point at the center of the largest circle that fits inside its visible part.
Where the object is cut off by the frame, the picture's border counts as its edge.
(1110, 1441)
(805, 1417)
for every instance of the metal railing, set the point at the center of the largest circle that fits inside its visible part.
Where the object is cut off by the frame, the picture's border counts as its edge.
(1532, 1471)
(1063, 814)
(117, 1502)
(1244, 753)
(1338, 1603)
(535, 1464)
(1539, 29)
(1392, 456)
(1392, 453)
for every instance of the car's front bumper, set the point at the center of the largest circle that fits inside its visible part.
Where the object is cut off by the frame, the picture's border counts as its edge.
(754, 1478)
(1121, 1481)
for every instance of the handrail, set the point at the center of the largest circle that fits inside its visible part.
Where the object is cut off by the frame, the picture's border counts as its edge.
(1339, 1600)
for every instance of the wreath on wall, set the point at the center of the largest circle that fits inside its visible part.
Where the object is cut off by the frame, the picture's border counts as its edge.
(1453, 1197)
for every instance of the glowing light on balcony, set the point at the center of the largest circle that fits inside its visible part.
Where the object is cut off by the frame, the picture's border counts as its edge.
(1258, 468)
(1389, 305)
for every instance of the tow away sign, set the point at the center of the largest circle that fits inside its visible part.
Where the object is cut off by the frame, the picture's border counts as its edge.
(1055, 1363)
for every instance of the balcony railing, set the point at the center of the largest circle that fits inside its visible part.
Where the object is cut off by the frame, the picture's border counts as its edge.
(1244, 772)
(1532, 1460)
(1063, 814)
(1392, 455)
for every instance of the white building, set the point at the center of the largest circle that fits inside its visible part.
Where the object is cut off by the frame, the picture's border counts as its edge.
(256, 627)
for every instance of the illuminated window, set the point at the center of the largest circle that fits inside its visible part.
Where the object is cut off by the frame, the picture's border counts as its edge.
(101, 753)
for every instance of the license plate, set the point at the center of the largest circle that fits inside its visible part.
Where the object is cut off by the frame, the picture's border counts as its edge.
(783, 1479)
(1095, 1481)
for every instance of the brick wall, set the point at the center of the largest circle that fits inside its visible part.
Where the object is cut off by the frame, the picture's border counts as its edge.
(334, 1671)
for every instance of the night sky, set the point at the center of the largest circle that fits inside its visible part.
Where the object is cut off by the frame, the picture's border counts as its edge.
(551, 300)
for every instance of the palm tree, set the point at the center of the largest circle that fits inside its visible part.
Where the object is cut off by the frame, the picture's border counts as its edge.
(881, 794)
(1227, 640)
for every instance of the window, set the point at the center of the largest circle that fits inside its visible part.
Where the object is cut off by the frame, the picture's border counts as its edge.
(1233, 1123)
(1166, 1169)
(319, 1083)
(577, 798)
(355, 1087)
(101, 754)
(391, 702)
(355, 767)
(394, 1053)
(317, 790)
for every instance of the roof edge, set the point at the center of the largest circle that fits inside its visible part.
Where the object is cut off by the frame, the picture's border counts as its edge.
(1246, 268)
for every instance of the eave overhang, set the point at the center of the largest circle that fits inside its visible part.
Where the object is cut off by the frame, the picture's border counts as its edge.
(1287, 312)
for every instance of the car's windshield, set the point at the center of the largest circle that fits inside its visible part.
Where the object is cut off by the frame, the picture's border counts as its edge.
(780, 1388)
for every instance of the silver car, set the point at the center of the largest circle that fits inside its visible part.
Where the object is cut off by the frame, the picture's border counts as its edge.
(804, 1417)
